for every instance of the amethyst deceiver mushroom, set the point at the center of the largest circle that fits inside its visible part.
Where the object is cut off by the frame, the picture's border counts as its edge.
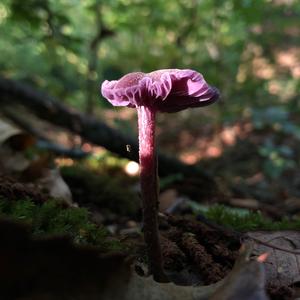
(169, 90)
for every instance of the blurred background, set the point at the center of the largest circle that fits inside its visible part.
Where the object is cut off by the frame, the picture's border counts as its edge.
(68, 159)
(249, 50)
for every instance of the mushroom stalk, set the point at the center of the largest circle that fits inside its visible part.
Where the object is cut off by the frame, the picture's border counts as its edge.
(149, 189)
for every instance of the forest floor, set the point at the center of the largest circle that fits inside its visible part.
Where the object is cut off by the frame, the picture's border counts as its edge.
(257, 171)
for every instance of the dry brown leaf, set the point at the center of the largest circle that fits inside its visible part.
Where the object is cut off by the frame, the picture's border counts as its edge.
(7, 130)
(246, 281)
(12, 143)
(167, 199)
(53, 182)
(136, 287)
(282, 267)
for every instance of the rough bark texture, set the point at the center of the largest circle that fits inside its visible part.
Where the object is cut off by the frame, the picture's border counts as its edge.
(91, 129)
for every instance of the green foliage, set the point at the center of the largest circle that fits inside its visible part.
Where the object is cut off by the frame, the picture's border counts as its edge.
(50, 218)
(48, 43)
(22, 210)
(168, 180)
(277, 118)
(236, 44)
(270, 117)
(278, 158)
(244, 220)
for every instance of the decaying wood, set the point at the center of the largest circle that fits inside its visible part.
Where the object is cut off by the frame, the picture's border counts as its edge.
(90, 128)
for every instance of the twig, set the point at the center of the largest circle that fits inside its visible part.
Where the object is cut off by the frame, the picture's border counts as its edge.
(272, 246)
(242, 236)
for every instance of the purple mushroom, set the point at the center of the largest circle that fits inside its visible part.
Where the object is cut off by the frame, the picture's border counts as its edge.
(169, 90)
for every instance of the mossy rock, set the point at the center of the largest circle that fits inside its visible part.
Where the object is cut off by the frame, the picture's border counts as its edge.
(108, 192)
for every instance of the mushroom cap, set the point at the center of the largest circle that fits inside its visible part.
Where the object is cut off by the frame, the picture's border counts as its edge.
(168, 90)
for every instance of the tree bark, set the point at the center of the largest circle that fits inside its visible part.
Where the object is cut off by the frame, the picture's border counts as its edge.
(91, 129)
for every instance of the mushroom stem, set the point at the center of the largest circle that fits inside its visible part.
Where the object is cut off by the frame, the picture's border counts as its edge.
(149, 189)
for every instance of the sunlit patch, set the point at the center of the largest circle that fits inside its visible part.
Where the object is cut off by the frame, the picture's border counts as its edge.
(3, 13)
(229, 135)
(274, 87)
(296, 72)
(87, 147)
(289, 59)
(262, 68)
(284, 2)
(72, 58)
(98, 150)
(132, 168)
(195, 145)
(189, 158)
(214, 151)
(90, 148)
(64, 162)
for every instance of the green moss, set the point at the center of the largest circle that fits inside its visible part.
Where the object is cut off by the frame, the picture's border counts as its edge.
(50, 218)
(244, 220)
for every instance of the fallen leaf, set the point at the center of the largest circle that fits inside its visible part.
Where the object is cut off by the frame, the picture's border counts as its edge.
(282, 267)
(246, 280)
(136, 287)
(167, 199)
(53, 182)
(7, 130)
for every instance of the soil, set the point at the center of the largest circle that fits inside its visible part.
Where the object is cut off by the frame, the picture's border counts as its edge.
(13, 190)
